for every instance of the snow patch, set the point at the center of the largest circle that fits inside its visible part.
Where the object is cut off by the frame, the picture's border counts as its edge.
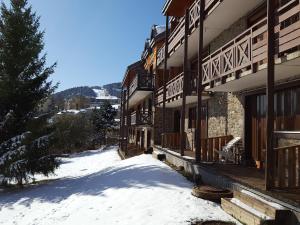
(103, 94)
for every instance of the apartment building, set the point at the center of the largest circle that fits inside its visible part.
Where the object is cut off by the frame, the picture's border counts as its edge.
(137, 123)
(226, 77)
(229, 97)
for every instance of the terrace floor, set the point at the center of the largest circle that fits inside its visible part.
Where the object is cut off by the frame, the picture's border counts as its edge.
(250, 177)
(255, 179)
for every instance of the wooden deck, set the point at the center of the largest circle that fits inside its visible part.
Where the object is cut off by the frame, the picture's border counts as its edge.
(255, 179)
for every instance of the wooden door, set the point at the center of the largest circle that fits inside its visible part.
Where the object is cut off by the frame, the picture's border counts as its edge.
(287, 118)
(256, 129)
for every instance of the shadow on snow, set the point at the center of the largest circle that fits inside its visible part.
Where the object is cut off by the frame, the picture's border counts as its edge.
(121, 177)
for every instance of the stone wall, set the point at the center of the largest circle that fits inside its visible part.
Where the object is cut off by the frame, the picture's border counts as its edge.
(226, 115)
(217, 115)
(234, 30)
(287, 142)
(236, 115)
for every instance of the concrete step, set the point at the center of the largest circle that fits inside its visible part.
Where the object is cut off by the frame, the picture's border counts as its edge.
(245, 213)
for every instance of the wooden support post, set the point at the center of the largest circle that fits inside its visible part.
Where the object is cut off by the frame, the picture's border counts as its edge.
(122, 117)
(165, 75)
(185, 80)
(269, 167)
(127, 118)
(198, 133)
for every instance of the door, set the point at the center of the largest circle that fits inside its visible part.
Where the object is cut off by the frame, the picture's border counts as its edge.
(286, 118)
(256, 128)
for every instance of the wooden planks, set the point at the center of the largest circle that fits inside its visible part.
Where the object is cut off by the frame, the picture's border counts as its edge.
(210, 147)
(256, 204)
(242, 214)
(288, 167)
(171, 140)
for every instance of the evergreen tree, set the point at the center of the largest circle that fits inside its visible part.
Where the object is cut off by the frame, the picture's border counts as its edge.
(24, 86)
(23, 71)
(103, 119)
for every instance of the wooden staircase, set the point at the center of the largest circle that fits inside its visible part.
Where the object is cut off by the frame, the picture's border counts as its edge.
(253, 210)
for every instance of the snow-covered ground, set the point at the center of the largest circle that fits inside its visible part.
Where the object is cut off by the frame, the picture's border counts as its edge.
(96, 187)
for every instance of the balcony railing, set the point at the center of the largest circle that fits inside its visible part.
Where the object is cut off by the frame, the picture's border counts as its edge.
(177, 36)
(141, 118)
(141, 82)
(249, 50)
(171, 141)
(133, 118)
(175, 87)
(286, 164)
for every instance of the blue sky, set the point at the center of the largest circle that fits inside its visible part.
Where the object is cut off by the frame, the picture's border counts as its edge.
(93, 41)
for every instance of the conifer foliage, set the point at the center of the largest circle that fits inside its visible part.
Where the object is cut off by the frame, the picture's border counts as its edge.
(103, 119)
(24, 86)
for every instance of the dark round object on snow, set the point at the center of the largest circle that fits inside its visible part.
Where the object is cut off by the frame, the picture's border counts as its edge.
(149, 151)
(214, 223)
(211, 193)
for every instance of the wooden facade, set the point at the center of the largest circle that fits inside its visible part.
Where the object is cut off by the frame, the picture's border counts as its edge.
(193, 64)
(137, 104)
(272, 37)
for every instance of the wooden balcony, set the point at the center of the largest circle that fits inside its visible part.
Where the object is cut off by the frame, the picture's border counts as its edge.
(142, 118)
(177, 36)
(246, 55)
(141, 86)
(248, 52)
(174, 89)
(214, 16)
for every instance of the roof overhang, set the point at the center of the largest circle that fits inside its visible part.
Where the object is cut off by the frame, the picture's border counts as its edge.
(130, 73)
(176, 7)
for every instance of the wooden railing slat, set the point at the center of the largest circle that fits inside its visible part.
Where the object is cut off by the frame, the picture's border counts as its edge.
(291, 168)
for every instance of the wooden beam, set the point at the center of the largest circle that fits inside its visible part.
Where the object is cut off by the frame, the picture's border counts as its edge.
(185, 80)
(122, 117)
(165, 75)
(127, 125)
(269, 168)
(198, 133)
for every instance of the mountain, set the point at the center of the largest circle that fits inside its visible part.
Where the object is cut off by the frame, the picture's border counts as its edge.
(109, 91)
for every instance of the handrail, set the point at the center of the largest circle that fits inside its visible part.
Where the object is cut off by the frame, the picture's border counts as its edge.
(208, 6)
(175, 78)
(287, 134)
(287, 147)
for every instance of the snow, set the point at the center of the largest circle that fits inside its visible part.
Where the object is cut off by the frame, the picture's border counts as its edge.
(272, 204)
(96, 187)
(116, 106)
(250, 209)
(103, 94)
(72, 111)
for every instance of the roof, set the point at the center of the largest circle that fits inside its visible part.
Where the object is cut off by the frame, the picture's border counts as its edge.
(156, 34)
(176, 7)
(134, 66)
